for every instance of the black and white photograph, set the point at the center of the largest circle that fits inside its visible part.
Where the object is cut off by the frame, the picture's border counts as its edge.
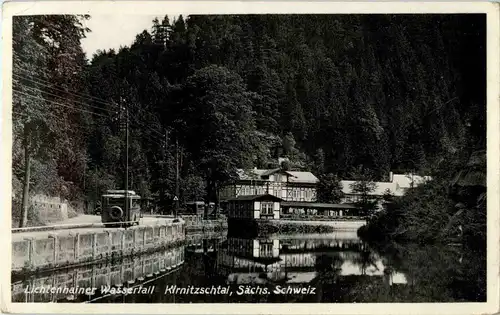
(243, 158)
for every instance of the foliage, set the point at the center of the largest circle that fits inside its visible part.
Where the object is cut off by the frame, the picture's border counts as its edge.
(439, 211)
(221, 120)
(388, 195)
(48, 60)
(329, 189)
(363, 186)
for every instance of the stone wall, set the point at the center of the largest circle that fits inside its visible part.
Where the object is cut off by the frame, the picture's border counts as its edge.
(67, 248)
(49, 209)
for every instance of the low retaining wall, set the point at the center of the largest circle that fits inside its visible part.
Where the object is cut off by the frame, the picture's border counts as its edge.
(69, 249)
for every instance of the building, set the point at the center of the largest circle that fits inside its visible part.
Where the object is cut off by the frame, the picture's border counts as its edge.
(287, 185)
(396, 186)
(254, 207)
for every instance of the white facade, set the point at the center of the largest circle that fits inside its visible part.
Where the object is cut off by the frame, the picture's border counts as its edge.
(397, 186)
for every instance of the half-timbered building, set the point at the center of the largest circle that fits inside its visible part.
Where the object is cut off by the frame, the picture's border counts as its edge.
(287, 185)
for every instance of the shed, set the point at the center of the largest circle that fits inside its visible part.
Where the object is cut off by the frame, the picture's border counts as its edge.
(255, 207)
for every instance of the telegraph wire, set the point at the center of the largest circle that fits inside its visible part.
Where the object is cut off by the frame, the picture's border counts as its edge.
(85, 104)
(59, 104)
(158, 135)
(70, 92)
(76, 101)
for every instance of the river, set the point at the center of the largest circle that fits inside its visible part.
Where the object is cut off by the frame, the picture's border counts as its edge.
(307, 268)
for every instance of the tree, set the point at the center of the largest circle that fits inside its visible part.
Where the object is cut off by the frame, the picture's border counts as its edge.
(217, 107)
(46, 54)
(364, 185)
(329, 189)
(388, 195)
(31, 124)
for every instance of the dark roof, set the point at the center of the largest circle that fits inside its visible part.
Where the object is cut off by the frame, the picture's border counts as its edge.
(316, 205)
(256, 198)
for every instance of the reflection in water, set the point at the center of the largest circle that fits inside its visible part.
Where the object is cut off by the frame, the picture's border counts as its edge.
(86, 283)
(335, 267)
(258, 261)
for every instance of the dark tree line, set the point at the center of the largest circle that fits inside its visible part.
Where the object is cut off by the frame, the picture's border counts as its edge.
(208, 94)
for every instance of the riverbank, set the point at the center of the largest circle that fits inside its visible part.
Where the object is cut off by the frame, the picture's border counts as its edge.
(450, 208)
(277, 226)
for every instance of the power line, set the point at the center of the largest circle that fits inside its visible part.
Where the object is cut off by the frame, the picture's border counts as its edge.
(83, 103)
(74, 125)
(143, 125)
(49, 84)
(91, 106)
(151, 137)
(90, 98)
(148, 127)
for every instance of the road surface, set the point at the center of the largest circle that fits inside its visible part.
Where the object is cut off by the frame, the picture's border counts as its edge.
(80, 220)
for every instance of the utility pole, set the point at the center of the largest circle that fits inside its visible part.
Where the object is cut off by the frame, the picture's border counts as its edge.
(164, 172)
(95, 182)
(84, 170)
(126, 162)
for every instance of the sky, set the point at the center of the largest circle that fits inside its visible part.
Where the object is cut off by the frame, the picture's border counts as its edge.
(113, 31)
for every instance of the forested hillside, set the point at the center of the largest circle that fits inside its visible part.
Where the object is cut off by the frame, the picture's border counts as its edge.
(330, 92)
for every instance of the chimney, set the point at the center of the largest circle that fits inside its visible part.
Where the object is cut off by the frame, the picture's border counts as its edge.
(391, 177)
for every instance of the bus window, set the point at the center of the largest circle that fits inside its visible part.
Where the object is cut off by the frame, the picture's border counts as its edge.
(133, 203)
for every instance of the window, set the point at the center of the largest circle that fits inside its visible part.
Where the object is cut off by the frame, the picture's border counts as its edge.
(266, 250)
(267, 208)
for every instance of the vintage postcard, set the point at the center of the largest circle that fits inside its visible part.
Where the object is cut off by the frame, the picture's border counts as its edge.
(250, 157)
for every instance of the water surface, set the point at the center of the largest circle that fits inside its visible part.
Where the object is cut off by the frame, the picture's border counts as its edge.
(307, 268)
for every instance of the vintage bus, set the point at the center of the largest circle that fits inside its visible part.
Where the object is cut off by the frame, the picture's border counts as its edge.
(114, 209)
